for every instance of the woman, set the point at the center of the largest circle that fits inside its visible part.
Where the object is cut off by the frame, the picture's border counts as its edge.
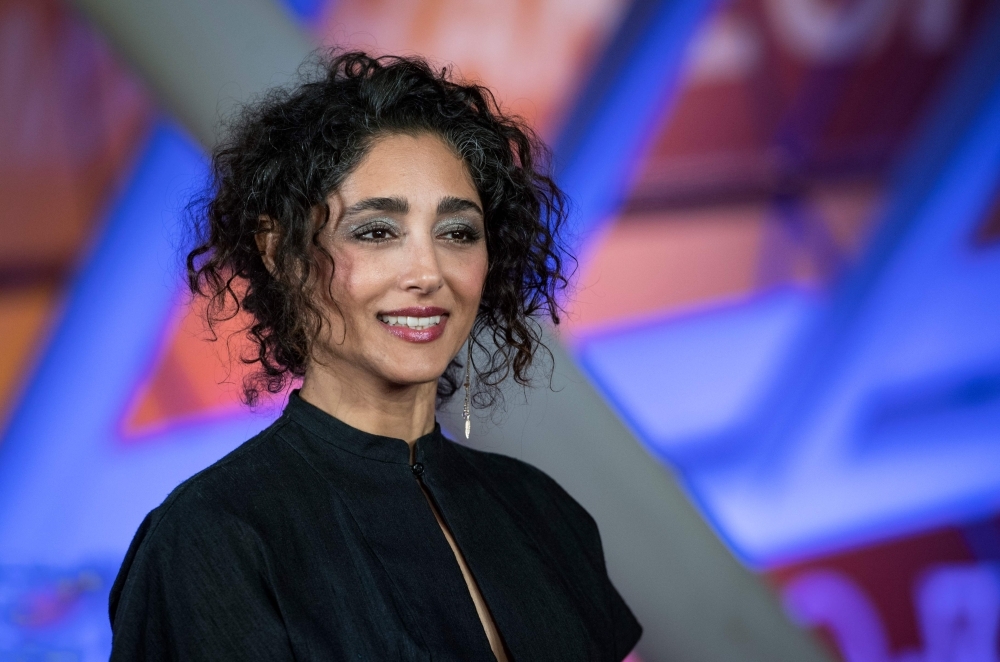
(385, 228)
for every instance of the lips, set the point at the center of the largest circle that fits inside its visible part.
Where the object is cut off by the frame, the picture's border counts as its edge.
(416, 323)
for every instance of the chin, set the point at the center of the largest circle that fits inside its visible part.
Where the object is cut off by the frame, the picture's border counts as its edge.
(412, 375)
(411, 380)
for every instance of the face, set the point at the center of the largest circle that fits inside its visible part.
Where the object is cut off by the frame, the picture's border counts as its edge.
(407, 237)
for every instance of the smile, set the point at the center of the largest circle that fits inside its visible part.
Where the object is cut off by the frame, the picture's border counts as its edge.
(410, 322)
(417, 324)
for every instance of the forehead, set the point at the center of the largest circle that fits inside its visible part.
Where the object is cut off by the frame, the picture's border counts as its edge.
(416, 167)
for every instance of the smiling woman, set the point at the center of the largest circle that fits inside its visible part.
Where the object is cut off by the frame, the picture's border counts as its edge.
(283, 171)
(408, 247)
(373, 222)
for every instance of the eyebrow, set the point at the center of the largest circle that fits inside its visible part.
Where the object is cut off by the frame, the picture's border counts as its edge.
(392, 205)
(397, 205)
(453, 205)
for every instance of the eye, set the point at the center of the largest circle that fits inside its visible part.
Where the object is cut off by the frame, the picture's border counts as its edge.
(461, 234)
(374, 233)
(378, 233)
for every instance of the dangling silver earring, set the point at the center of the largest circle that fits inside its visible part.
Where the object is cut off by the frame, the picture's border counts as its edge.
(466, 411)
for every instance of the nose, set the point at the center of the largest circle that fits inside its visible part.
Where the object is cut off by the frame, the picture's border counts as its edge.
(422, 272)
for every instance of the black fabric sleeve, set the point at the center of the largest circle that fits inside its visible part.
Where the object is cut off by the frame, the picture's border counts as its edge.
(194, 586)
(576, 531)
(625, 630)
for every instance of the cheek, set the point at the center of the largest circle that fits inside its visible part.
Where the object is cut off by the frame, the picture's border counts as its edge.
(358, 280)
(469, 275)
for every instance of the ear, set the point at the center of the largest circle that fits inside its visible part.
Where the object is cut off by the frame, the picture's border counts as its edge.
(267, 236)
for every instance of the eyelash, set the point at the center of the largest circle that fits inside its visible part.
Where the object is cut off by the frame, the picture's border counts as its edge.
(360, 233)
(472, 235)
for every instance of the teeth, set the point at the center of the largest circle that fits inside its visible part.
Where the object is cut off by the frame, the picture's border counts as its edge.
(411, 322)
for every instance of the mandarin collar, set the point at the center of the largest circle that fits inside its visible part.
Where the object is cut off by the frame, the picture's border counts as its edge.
(357, 442)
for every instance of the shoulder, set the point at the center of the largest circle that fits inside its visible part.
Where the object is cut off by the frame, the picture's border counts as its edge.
(528, 489)
(511, 471)
(560, 526)
(210, 521)
(239, 486)
(195, 581)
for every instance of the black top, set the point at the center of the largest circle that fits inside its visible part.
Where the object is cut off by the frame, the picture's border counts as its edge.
(313, 541)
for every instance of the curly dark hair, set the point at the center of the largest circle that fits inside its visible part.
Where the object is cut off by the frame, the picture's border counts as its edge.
(286, 152)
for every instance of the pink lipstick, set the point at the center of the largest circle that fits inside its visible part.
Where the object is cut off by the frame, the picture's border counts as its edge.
(416, 323)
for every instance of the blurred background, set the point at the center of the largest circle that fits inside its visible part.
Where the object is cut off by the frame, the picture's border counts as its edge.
(788, 291)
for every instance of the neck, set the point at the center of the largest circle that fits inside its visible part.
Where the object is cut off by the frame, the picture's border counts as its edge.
(369, 404)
